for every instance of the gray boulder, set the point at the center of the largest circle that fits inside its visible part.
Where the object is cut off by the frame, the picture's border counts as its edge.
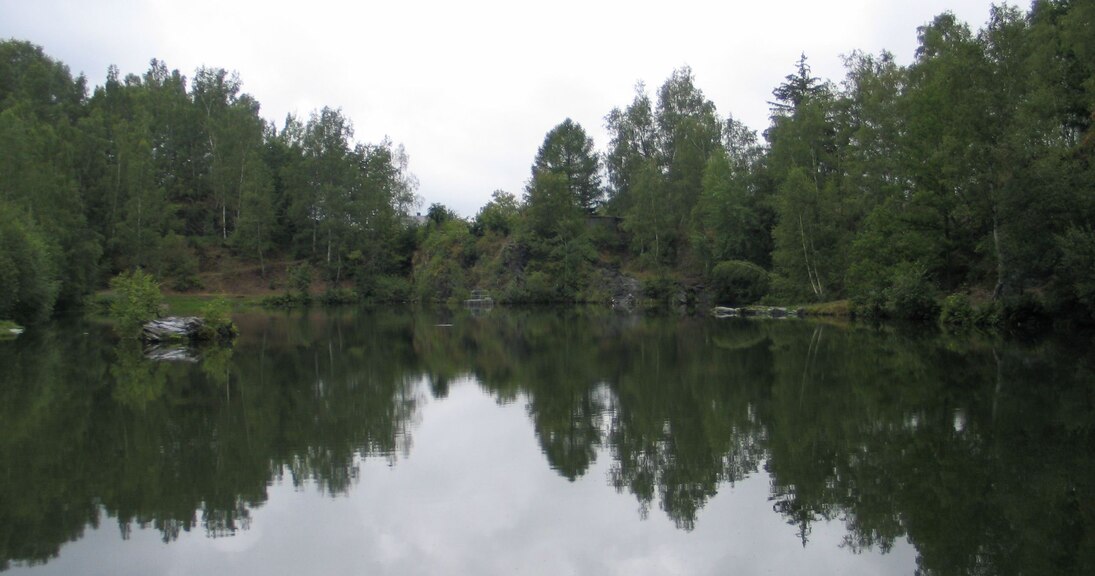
(173, 329)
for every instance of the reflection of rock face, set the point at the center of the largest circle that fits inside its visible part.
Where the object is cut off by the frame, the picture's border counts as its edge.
(171, 353)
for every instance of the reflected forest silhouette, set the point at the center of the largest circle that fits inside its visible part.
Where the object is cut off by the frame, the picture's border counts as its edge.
(978, 451)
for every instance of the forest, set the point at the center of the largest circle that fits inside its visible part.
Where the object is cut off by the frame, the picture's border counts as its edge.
(961, 186)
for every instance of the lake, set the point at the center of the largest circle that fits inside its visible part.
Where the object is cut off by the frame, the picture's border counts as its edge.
(547, 441)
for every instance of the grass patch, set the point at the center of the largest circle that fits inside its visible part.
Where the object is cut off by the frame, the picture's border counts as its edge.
(196, 304)
(835, 309)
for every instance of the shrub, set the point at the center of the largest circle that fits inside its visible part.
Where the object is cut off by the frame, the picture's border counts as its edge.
(737, 282)
(539, 288)
(383, 288)
(337, 296)
(137, 300)
(911, 296)
(391, 289)
(987, 315)
(659, 290)
(1022, 312)
(286, 301)
(218, 321)
(870, 303)
(956, 311)
(300, 278)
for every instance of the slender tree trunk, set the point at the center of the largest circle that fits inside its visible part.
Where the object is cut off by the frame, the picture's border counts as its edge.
(811, 273)
(315, 232)
(262, 262)
(239, 193)
(139, 243)
(114, 199)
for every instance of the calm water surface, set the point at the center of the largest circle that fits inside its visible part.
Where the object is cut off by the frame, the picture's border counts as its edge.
(547, 442)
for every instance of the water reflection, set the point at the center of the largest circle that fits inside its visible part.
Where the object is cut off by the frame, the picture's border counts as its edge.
(977, 451)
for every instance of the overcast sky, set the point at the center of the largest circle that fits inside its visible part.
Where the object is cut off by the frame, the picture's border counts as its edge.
(470, 87)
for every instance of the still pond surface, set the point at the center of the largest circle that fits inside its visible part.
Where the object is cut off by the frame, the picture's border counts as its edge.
(547, 442)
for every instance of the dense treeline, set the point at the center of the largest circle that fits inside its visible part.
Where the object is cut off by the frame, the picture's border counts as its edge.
(964, 178)
(149, 171)
(968, 173)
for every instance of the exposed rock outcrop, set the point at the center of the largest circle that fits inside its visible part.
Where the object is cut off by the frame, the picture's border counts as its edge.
(174, 328)
(756, 312)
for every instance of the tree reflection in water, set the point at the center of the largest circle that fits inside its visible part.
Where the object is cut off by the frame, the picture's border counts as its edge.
(979, 451)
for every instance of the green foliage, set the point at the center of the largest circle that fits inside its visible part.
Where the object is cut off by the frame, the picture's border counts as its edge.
(385, 288)
(300, 279)
(219, 326)
(1023, 312)
(286, 301)
(136, 300)
(659, 289)
(499, 215)
(179, 263)
(29, 277)
(956, 311)
(539, 288)
(974, 162)
(737, 282)
(339, 296)
(439, 266)
(911, 296)
(568, 152)
(1076, 268)
(803, 253)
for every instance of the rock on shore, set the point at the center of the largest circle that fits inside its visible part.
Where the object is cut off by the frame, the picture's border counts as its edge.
(173, 329)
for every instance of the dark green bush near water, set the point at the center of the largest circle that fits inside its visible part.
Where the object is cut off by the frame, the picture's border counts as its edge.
(659, 290)
(737, 282)
(911, 296)
(956, 311)
(384, 289)
(219, 326)
(338, 296)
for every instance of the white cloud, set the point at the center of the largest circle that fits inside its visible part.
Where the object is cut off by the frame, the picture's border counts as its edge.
(472, 87)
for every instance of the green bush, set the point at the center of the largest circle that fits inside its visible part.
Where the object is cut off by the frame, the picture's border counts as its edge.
(659, 289)
(338, 296)
(391, 289)
(987, 315)
(1022, 312)
(286, 301)
(911, 296)
(300, 278)
(218, 321)
(957, 311)
(383, 288)
(539, 288)
(737, 282)
(137, 300)
(870, 303)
